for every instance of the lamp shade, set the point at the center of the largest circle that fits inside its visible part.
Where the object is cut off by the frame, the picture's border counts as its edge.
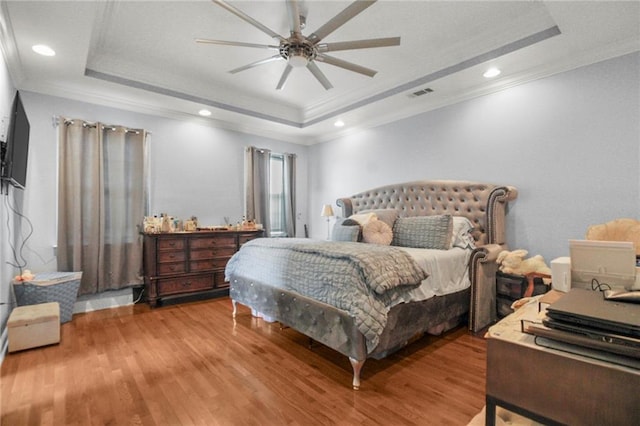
(326, 210)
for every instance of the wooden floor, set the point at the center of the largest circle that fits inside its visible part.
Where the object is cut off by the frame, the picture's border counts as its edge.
(192, 364)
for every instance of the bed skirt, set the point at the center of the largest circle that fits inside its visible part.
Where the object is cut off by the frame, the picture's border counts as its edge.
(337, 330)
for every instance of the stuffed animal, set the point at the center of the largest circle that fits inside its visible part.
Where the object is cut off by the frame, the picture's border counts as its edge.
(514, 262)
(26, 276)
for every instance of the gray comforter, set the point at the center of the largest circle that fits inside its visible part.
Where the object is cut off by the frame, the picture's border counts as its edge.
(362, 279)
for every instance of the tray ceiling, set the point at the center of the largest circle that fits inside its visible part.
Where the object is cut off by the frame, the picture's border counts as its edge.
(142, 56)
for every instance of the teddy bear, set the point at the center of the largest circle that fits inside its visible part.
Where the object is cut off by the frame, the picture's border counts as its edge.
(514, 262)
(26, 275)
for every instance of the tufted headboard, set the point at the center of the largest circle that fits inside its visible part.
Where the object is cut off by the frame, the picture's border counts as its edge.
(482, 203)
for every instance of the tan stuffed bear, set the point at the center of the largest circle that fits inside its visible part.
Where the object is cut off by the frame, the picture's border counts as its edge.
(514, 262)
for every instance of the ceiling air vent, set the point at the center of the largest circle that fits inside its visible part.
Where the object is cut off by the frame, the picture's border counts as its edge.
(420, 92)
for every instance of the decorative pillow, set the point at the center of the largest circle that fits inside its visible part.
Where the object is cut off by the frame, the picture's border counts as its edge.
(350, 222)
(388, 216)
(377, 232)
(432, 232)
(346, 230)
(345, 233)
(461, 235)
(362, 218)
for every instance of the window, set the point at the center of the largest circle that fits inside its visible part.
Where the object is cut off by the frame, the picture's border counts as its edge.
(270, 190)
(276, 195)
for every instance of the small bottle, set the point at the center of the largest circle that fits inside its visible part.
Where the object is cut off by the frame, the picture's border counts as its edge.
(166, 225)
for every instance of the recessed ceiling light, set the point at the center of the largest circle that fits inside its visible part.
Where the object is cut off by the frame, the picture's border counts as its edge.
(43, 50)
(491, 72)
(339, 123)
(204, 112)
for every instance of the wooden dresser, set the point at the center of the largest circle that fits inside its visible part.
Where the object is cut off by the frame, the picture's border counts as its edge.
(188, 263)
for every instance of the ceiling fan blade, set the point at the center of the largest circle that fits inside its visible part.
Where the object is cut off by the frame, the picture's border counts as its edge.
(359, 44)
(255, 64)
(237, 43)
(283, 79)
(319, 75)
(240, 14)
(346, 65)
(340, 19)
(294, 17)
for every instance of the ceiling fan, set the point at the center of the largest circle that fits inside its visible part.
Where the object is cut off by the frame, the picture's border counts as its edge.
(304, 51)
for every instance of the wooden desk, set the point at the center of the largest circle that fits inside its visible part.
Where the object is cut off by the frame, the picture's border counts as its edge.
(552, 386)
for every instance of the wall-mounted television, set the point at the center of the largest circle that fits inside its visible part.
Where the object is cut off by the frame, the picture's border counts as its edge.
(14, 163)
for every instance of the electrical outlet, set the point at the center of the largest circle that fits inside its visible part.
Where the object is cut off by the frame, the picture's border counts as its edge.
(3, 128)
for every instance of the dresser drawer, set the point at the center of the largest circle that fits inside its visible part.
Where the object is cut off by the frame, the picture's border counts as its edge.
(218, 279)
(171, 268)
(212, 242)
(171, 256)
(208, 264)
(247, 237)
(511, 286)
(211, 253)
(171, 243)
(184, 285)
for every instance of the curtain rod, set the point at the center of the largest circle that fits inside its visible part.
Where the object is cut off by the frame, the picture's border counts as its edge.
(58, 119)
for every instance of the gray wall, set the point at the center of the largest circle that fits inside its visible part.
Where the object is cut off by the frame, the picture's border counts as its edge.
(194, 169)
(570, 143)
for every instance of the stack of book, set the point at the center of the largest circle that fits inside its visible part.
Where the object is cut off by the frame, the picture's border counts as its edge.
(586, 323)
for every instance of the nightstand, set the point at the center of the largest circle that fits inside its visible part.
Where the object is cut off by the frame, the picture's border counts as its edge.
(510, 288)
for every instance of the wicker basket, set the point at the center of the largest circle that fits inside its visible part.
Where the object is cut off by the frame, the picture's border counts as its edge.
(61, 287)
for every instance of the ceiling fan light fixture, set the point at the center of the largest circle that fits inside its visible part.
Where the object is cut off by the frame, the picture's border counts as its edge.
(298, 61)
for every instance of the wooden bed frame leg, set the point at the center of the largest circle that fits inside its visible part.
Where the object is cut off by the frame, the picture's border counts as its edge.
(235, 308)
(357, 366)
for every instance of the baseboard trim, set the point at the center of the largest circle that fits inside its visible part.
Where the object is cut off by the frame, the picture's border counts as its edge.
(104, 300)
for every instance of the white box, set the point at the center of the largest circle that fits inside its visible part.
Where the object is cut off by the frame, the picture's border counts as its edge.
(561, 274)
(32, 326)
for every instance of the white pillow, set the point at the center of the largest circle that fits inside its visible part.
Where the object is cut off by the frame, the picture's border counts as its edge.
(461, 235)
(377, 232)
(388, 216)
(363, 218)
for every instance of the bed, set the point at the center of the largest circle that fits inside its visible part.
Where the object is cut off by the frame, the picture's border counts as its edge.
(270, 282)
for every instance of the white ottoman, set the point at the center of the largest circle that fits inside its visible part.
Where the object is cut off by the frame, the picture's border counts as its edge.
(34, 325)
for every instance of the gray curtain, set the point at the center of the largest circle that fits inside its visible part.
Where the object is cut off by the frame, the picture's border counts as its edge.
(101, 200)
(290, 194)
(256, 180)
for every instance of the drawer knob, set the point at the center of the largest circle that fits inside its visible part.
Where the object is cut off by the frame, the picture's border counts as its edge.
(186, 284)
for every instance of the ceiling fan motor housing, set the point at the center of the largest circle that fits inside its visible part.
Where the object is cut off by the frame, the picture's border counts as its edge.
(297, 52)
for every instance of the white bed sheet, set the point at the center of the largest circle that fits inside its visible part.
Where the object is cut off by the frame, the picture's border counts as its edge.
(448, 272)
